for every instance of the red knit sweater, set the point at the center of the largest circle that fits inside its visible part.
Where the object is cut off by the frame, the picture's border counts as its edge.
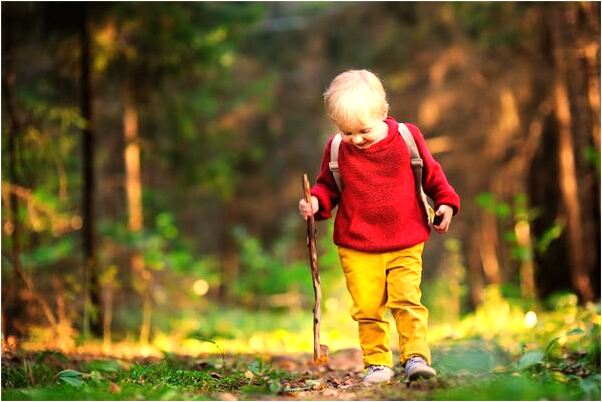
(379, 210)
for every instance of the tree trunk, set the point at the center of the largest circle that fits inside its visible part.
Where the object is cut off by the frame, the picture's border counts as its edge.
(107, 319)
(475, 271)
(487, 246)
(229, 252)
(522, 230)
(11, 308)
(566, 159)
(133, 184)
(92, 304)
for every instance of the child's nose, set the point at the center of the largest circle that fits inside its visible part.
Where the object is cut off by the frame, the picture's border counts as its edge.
(357, 139)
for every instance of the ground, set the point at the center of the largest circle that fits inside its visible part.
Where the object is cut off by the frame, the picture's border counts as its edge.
(468, 369)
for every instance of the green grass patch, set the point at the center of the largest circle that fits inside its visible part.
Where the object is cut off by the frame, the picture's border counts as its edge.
(168, 379)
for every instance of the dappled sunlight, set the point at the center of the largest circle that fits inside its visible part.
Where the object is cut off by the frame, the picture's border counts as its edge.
(434, 108)
(501, 341)
(153, 247)
(514, 328)
(498, 321)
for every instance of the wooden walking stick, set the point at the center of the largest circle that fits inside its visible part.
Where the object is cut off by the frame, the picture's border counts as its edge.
(320, 351)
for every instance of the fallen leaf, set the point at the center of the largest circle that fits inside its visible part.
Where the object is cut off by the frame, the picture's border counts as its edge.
(114, 388)
(313, 384)
(249, 374)
(227, 396)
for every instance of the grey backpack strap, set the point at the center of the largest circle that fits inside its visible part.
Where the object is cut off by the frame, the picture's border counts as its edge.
(417, 165)
(333, 165)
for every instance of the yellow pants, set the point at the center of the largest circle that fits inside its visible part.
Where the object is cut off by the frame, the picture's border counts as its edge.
(380, 280)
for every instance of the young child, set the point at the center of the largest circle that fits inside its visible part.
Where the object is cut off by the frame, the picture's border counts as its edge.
(381, 226)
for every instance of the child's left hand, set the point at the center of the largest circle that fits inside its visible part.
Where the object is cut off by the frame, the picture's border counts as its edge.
(447, 212)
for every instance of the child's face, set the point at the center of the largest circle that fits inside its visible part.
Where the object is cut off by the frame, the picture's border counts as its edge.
(365, 134)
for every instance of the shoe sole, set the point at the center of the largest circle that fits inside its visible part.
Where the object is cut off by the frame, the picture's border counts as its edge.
(421, 375)
(368, 383)
(377, 381)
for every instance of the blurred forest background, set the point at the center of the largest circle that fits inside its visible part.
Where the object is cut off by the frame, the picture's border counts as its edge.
(152, 156)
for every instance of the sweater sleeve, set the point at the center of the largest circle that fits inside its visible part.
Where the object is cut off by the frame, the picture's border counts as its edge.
(434, 181)
(325, 189)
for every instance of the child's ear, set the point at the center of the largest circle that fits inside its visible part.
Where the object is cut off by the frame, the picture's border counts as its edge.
(386, 111)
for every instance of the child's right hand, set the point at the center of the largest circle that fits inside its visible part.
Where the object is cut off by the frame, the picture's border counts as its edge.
(307, 210)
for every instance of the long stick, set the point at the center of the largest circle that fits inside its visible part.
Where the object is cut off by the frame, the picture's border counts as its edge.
(320, 351)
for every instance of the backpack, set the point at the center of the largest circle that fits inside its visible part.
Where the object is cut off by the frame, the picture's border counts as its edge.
(416, 162)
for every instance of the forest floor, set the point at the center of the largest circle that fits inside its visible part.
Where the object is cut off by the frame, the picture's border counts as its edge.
(499, 352)
(473, 369)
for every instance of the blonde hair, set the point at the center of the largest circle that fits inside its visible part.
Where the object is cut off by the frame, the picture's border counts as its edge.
(355, 95)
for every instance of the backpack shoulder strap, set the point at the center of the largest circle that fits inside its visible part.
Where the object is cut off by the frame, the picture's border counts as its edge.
(411, 143)
(417, 164)
(333, 165)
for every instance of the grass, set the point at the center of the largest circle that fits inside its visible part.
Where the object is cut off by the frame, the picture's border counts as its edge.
(167, 379)
(474, 369)
(493, 354)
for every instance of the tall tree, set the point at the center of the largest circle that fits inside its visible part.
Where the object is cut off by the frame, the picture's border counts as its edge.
(567, 129)
(133, 185)
(11, 308)
(92, 304)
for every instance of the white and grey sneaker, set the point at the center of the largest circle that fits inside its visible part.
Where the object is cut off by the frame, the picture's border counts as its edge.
(378, 374)
(416, 367)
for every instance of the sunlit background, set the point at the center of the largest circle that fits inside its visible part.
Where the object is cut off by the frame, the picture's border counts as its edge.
(152, 156)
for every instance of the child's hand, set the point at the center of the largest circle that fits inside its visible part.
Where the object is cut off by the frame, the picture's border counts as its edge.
(307, 210)
(446, 212)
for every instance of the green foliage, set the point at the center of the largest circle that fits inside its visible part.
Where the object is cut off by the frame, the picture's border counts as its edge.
(557, 359)
(505, 387)
(71, 377)
(281, 269)
(51, 253)
(161, 246)
(549, 235)
(109, 366)
(154, 381)
(445, 293)
(530, 358)
(592, 156)
(26, 374)
(491, 26)
(515, 214)
(41, 356)
(488, 202)
(328, 257)
(264, 273)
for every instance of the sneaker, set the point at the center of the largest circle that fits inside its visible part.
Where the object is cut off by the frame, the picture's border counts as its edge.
(416, 367)
(378, 374)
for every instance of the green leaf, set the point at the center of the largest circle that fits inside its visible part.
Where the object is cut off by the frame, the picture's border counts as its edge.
(50, 253)
(96, 376)
(486, 201)
(522, 254)
(551, 234)
(590, 387)
(274, 386)
(553, 343)
(575, 331)
(69, 373)
(502, 210)
(254, 367)
(510, 236)
(73, 381)
(530, 359)
(71, 377)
